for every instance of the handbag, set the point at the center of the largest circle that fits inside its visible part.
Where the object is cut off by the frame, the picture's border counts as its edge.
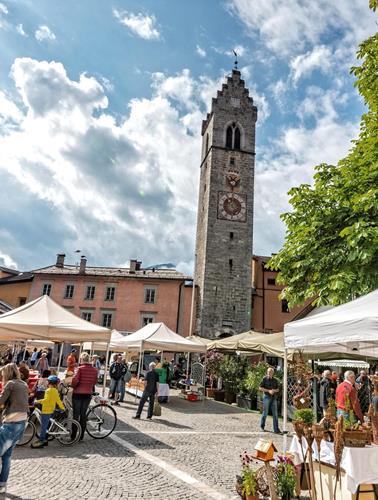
(157, 409)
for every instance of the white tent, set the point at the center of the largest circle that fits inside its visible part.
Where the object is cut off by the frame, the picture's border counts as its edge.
(44, 319)
(158, 336)
(350, 328)
(115, 338)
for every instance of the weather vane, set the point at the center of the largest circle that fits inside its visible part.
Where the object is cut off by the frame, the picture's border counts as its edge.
(236, 59)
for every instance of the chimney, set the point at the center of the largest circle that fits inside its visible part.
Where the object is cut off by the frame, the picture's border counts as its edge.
(133, 266)
(83, 264)
(60, 259)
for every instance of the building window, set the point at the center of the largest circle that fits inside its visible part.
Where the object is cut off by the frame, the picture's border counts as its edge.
(107, 320)
(271, 281)
(233, 138)
(237, 138)
(86, 315)
(230, 263)
(91, 290)
(147, 318)
(284, 306)
(21, 301)
(229, 138)
(110, 293)
(207, 143)
(231, 235)
(149, 295)
(68, 294)
(46, 289)
(232, 161)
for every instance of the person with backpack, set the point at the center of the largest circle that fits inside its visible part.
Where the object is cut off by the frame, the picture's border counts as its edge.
(117, 372)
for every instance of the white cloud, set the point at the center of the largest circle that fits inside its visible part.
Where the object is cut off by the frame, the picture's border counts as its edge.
(4, 24)
(239, 49)
(7, 261)
(200, 51)
(291, 159)
(320, 57)
(20, 30)
(141, 25)
(44, 33)
(289, 27)
(3, 9)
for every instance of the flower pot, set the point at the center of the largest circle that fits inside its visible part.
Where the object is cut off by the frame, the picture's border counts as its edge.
(219, 395)
(230, 397)
(252, 497)
(210, 392)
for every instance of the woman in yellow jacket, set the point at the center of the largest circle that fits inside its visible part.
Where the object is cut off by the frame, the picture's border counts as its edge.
(49, 403)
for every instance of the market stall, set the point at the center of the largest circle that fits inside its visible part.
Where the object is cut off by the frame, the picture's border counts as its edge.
(156, 336)
(349, 329)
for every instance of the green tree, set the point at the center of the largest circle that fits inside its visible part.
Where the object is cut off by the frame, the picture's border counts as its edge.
(331, 247)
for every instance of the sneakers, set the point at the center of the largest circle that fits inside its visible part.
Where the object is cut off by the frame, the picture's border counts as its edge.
(136, 417)
(3, 489)
(278, 432)
(116, 403)
(149, 418)
(39, 444)
(262, 429)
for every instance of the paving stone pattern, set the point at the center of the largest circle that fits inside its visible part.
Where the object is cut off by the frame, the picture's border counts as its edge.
(202, 439)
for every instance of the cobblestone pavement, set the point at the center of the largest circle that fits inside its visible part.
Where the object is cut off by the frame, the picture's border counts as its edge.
(190, 452)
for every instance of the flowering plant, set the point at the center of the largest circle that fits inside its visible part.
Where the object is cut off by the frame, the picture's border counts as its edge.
(285, 477)
(213, 362)
(248, 475)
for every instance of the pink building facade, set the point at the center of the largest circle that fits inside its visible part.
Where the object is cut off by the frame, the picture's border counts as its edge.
(122, 298)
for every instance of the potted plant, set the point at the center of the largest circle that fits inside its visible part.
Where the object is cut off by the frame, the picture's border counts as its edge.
(250, 386)
(231, 370)
(213, 361)
(305, 416)
(285, 477)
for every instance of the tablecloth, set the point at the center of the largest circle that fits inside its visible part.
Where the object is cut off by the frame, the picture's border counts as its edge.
(360, 464)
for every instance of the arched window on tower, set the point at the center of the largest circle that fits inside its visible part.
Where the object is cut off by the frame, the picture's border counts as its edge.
(229, 138)
(237, 138)
(207, 143)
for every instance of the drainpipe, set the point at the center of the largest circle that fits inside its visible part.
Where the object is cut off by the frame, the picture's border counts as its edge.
(263, 290)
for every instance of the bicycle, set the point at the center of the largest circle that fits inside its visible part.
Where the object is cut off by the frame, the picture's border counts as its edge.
(65, 430)
(101, 416)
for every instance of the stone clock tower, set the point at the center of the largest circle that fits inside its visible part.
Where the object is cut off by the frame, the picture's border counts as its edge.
(225, 212)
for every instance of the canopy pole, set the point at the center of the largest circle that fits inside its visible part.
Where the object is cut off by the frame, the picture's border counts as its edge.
(80, 350)
(106, 369)
(204, 376)
(285, 401)
(193, 293)
(139, 367)
(60, 355)
(23, 357)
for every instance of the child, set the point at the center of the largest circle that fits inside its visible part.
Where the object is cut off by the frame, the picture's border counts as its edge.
(48, 403)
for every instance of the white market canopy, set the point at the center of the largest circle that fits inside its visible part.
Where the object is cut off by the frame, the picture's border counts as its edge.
(114, 343)
(344, 363)
(351, 328)
(158, 336)
(270, 343)
(44, 319)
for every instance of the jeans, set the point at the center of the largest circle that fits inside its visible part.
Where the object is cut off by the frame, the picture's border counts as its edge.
(269, 403)
(45, 421)
(143, 399)
(116, 386)
(9, 435)
(80, 403)
(122, 390)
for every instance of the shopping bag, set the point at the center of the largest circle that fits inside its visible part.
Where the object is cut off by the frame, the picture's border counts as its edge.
(157, 409)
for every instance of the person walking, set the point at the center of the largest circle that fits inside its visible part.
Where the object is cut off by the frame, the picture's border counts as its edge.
(270, 387)
(347, 399)
(14, 399)
(42, 363)
(33, 358)
(117, 371)
(122, 388)
(151, 387)
(83, 383)
(327, 390)
(49, 402)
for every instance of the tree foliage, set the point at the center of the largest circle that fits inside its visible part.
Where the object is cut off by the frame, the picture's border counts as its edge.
(331, 247)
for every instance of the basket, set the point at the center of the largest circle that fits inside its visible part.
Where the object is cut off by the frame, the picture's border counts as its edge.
(374, 426)
(355, 439)
(192, 397)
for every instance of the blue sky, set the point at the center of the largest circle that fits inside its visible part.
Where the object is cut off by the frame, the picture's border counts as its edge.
(101, 105)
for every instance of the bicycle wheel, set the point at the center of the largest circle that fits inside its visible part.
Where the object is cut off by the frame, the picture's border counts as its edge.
(101, 421)
(28, 434)
(71, 433)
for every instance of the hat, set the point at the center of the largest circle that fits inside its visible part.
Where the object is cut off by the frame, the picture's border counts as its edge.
(53, 379)
(73, 350)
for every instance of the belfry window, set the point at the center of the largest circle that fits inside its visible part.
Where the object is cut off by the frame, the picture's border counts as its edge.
(233, 137)
(229, 135)
(237, 138)
(207, 143)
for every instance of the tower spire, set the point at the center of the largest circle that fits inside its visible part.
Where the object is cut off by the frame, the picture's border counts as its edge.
(236, 59)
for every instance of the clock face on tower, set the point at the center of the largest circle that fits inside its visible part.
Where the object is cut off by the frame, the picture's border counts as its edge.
(232, 206)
